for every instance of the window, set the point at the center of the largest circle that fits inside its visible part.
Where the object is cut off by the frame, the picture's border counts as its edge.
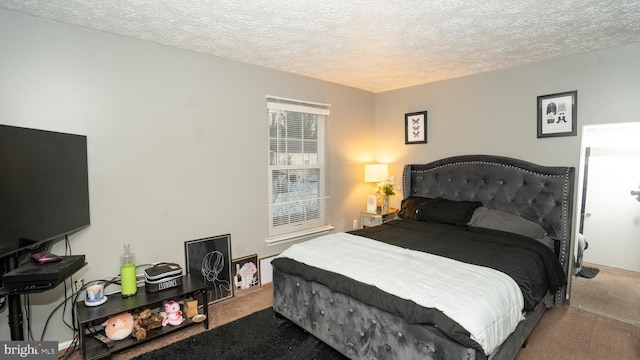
(298, 196)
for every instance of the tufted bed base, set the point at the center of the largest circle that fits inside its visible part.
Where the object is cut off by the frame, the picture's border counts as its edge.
(360, 331)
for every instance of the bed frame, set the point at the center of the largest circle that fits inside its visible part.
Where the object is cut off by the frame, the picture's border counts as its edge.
(538, 193)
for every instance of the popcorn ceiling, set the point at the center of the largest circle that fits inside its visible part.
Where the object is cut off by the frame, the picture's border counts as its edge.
(374, 45)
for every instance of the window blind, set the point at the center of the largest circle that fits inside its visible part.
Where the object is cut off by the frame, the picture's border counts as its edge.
(297, 168)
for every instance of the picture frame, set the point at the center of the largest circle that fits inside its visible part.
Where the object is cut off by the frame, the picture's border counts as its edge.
(210, 260)
(558, 114)
(246, 273)
(266, 269)
(415, 128)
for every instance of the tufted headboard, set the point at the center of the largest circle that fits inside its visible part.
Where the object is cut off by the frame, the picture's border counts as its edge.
(541, 194)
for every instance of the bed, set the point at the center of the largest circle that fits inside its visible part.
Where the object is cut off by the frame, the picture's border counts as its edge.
(464, 273)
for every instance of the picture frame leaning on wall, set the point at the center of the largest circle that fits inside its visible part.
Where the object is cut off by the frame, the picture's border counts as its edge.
(210, 260)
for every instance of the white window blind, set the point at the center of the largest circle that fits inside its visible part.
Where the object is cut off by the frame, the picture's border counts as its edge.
(298, 169)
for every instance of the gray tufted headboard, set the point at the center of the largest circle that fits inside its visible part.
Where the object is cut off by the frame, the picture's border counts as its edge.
(538, 193)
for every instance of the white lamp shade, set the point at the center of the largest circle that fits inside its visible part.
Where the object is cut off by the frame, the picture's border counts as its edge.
(376, 172)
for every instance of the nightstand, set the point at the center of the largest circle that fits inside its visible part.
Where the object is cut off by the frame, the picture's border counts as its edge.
(372, 218)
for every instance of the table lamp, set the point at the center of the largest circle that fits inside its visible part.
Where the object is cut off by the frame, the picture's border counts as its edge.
(375, 173)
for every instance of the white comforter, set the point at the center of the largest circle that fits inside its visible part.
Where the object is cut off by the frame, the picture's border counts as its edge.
(486, 302)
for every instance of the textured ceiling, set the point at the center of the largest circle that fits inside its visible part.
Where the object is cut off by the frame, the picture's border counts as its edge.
(375, 45)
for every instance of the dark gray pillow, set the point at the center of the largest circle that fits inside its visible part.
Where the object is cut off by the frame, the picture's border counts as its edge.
(409, 207)
(443, 211)
(498, 220)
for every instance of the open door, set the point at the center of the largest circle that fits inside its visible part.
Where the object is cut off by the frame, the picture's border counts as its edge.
(610, 213)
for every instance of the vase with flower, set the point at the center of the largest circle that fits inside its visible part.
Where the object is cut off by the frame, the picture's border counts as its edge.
(384, 189)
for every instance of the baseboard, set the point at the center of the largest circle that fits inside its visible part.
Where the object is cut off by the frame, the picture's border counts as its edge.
(64, 345)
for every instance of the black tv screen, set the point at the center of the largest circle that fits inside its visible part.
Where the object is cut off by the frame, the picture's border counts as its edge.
(44, 187)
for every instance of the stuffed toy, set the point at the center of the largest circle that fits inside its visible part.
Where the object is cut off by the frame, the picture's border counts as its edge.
(174, 314)
(119, 326)
(144, 320)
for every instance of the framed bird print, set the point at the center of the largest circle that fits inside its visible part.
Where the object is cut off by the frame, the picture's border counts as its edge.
(415, 128)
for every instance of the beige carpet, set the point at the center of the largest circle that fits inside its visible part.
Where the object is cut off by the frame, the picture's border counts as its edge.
(613, 293)
(568, 333)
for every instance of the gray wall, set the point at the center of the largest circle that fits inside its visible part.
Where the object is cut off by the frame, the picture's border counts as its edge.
(496, 112)
(176, 142)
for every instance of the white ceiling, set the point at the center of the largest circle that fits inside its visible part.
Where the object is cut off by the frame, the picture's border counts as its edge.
(375, 45)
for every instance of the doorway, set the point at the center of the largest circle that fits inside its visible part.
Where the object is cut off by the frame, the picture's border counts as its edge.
(610, 214)
(609, 220)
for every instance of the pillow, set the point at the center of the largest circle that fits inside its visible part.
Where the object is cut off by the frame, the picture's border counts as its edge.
(548, 242)
(409, 207)
(498, 220)
(445, 211)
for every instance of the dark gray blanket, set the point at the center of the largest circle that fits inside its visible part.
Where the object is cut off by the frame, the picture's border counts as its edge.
(532, 265)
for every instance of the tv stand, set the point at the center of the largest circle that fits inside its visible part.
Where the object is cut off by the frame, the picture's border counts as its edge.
(15, 306)
(33, 278)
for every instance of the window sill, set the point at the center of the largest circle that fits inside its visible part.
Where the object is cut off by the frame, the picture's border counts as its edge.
(302, 235)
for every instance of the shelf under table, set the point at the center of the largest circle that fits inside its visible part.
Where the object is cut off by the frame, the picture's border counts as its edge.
(89, 316)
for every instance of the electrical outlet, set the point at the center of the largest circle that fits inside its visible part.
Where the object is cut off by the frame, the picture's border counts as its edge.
(355, 223)
(79, 284)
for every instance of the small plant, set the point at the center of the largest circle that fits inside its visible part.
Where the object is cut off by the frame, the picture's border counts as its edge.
(387, 187)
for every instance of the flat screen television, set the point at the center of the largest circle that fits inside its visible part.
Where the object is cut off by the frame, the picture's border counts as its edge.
(44, 188)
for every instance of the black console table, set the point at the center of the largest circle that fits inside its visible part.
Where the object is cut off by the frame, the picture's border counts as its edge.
(91, 317)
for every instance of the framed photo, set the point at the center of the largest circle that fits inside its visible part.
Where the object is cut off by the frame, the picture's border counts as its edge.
(415, 128)
(246, 273)
(558, 114)
(210, 259)
(266, 270)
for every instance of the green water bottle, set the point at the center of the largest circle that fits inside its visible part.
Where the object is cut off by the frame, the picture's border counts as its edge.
(128, 273)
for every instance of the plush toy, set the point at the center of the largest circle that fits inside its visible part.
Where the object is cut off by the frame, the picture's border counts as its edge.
(119, 326)
(144, 320)
(174, 314)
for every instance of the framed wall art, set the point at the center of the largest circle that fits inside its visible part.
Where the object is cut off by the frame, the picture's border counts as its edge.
(557, 114)
(246, 273)
(266, 270)
(210, 259)
(415, 128)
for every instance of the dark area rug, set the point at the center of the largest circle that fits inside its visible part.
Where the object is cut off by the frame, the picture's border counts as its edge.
(588, 272)
(261, 335)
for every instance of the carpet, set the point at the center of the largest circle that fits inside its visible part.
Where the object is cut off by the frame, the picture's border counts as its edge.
(613, 293)
(588, 272)
(261, 335)
(563, 333)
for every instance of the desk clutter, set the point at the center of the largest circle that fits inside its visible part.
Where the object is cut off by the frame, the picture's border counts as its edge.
(162, 276)
(94, 295)
(124, 322)
(138, 322)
